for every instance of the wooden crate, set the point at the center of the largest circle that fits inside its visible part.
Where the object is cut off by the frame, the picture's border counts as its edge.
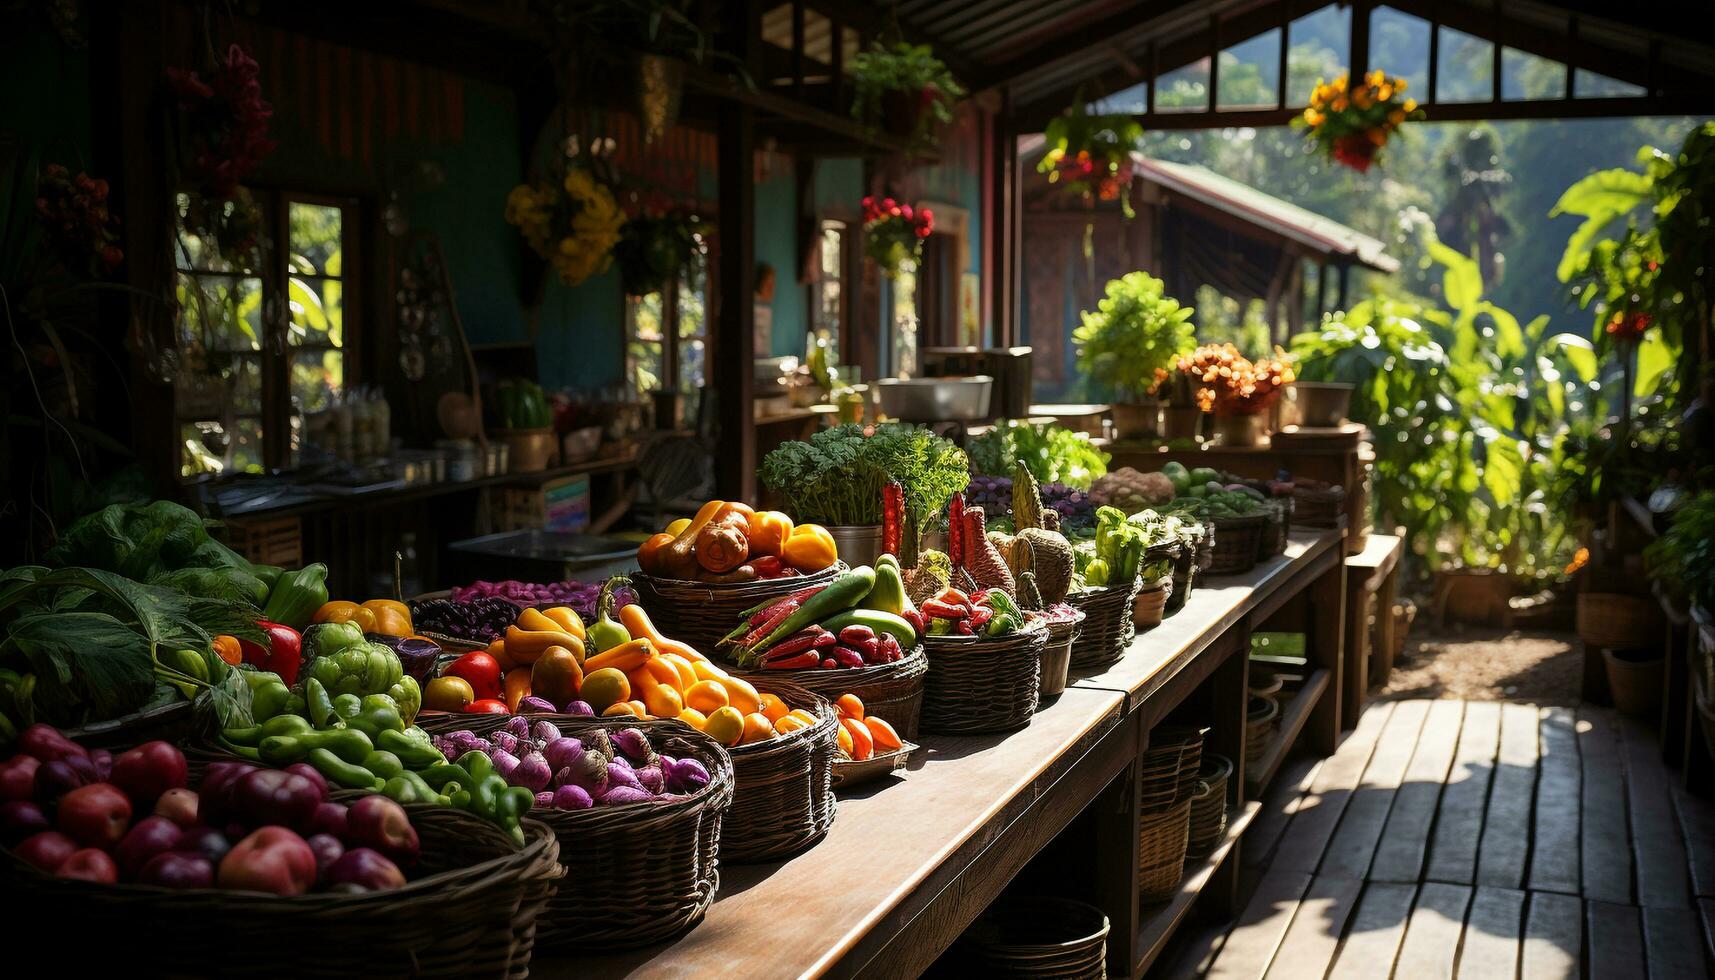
(267, 542)
(555, 505)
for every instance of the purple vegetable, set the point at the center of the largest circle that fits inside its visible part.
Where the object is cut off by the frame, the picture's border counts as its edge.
(206, 842)
(462, 741)
(618, 775)
(652, 778)
(687, 776)
(582, 709)
(506, 764)
(635, 745)
(589, 772)
(562, 752)
(544, 732)
(519, 727)
(416, 654)
(533, 705)
(532, 773)
(103, 762)
(625, 794)
(545, 798)
(572, 798)
(327, 850)
(505, 740)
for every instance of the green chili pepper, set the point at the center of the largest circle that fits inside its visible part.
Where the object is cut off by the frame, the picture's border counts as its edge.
(348, 744)
(269, 698)
(320, 705)
(414, 750)
(383, 764)
(286, 725)
(344, 773)
(444, 774)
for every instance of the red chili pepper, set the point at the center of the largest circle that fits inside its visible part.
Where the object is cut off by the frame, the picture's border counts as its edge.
(799, 662)
(915, 618)
(283, 655)
(944, 610)
(954, 597)
(775, 616)
(799, 642)
(768, 566)
(980, 616)
(892, 516)
(964, 626)
(956, 530)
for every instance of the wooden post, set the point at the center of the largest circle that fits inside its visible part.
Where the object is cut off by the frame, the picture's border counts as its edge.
(1327, 621)
(1360, 44)
(735, 341)
(1003, 229)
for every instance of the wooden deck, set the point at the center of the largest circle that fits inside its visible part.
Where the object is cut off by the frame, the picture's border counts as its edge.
(1473, 839)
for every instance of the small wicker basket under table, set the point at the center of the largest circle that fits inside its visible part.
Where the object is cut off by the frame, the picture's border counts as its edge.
(1260, 719)
(471, 909)
(1236, 544)
(701, 613)
(1319, 507)
(638, 873)
(979, 684)
(1107, 624)
(1209, 805)
(1035, 937)
(1276, 528)
(892, 692)
(783, 797)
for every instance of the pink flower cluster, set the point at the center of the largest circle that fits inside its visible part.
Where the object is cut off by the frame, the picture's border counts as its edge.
(921, 220)
(74, 212)
(227, 135)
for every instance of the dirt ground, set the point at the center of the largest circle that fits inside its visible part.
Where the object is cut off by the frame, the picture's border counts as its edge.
(1485, 664)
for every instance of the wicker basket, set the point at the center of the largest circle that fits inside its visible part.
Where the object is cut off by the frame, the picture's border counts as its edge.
(1260, 719)
(1318, 508)
(701, 613)
(1184, 574)
(168, 722)
(1236, 544)
(856, 772)
(1162, 837)
(1150, 605)
(892, 692)
(1057, 654)
(1107, 624)
(1035, 937)
(1206, 549)
(1209, 806)
(1276, 528)
(1189, 740)
(634, 874)
(978, 684)
(470, 910)
(783, 800)
(1619, 621)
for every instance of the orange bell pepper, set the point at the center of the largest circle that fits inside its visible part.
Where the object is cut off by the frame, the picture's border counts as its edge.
(227, 648)
(649, 552)
(341, 611)
(810, 548)
(769, 530)
(392, 617)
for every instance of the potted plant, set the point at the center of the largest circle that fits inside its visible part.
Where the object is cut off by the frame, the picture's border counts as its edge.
(836, 478)
(1351, 123)
(893, 233)
(1322, 401)
(1091, 156)
(1135, 331)
(526, 424)
(1235, 389)
(906, 90)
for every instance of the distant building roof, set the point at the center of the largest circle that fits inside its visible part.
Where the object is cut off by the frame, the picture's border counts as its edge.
(1320, 234)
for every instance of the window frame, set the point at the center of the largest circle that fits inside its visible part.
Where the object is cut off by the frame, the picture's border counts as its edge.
(276, 354)
(671, 363)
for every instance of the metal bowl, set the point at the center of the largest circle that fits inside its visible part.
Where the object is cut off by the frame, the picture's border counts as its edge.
(935, 399)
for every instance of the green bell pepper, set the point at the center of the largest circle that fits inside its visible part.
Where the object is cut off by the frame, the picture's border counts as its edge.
(295, 597)
(408, 695)
(412, 746)
(371, 714)
(327, 639)
(347, 774)
(270, 698)
(368, 668)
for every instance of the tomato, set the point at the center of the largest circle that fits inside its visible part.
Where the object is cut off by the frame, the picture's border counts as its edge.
(448, 694)
(480, 670)
(487, 706)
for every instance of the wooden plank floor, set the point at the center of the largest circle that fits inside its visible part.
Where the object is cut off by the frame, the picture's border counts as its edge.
(1472, 839)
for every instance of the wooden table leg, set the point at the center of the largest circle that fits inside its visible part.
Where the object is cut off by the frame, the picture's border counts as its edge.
(1116, 859)
(1384, 641)
(1355, 649)
(1675, 693)
(1327, 597)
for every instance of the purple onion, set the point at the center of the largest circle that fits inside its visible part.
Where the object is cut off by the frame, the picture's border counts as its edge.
(570, 798)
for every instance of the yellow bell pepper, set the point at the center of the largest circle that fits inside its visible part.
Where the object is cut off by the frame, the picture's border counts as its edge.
(392, 617)
(341, 611)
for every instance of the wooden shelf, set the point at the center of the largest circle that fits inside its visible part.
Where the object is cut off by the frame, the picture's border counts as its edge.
(1292, 719)
(1158, 926)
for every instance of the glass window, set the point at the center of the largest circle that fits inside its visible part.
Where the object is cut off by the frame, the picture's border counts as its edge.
(647, 355)
(267, 266)
(828, 290)
(904, 289)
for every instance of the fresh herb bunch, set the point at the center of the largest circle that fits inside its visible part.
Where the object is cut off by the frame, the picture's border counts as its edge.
(1683, 559)
(1133, 337)
(835, 477)
(1053, 454)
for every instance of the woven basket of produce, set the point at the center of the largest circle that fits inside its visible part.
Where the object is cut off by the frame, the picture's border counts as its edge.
(1206, 549)
(640, 834)
(1107, 624)
(409, 891)
(1209, 804)
(1064, 624)
(1035, 937)
(1318, 506)
(1162, 839)
(891, 690)
(1276, 527)
(783, 797)
(980, 684)
(1184, 574)
(701, 613)
(1236, 544)
(1619, 621)
(1260, 718)
(1150, 605)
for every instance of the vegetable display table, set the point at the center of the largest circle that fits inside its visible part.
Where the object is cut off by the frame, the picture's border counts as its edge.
(911, 861)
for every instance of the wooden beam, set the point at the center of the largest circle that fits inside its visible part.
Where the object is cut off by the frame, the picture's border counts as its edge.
(1360, 37)
(1072, 47)
(735, 341)
(1631, 106)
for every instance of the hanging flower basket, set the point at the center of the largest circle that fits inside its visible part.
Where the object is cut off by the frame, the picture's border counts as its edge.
(573, 222)
(1351, 123)
(893, 233)
(657, 244)
(1091, 156)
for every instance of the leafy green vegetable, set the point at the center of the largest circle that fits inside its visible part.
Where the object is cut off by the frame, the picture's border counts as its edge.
(1052, 453)
(157, 542)
(835, 477)
(1683, 559)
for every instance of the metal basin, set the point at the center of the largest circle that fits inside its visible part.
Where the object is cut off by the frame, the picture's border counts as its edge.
(935, 399)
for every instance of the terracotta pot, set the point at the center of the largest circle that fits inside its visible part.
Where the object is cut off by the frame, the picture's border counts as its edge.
(1635, 680)
(1137, 420)
(1182, 422)
(1322, 404)
(1239, 430)
(530, 450)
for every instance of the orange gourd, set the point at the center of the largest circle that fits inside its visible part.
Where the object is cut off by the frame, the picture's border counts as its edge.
(638, 624)
(723, 545)
(885, 738)
(568, 620)
(810, 548)
(863, 744)
(517, 686)
(678, 557)
(768, 531)
(649, 553)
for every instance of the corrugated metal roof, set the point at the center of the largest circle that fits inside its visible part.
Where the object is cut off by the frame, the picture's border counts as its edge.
(1321, 234)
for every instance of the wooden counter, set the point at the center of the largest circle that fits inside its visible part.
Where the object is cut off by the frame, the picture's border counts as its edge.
(910, 862)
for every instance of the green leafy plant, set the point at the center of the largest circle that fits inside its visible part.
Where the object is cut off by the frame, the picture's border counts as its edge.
(1132, 338)
(1091, 155)
(836, 476)
(1053, 454)
(1683, 559)
(658, 246)
(906, 88)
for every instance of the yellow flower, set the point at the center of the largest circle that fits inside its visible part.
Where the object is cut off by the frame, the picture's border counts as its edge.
(1362, 98)
(1376, 77)
(1312, 117)
(1396, 117)
(1376, 135)
(1410, 105)
(1340, 81)
(579, 183)
(1339, 103)
(1399, 84)
(1384, 93)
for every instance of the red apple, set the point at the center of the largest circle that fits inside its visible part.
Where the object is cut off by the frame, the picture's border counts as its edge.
(329, 818)
(380, 823)
(96, 815)
(89, 864)
(47, 744)
(151, 836)
(178, 805)
(59, 777)
(327, 849)
(178, 869)
(18, 777)
(208, 842)
(20, 819)
(274, 796)
(149, 770)
(272, 859)
(214, 796)
(366, 870)
(46, 851)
